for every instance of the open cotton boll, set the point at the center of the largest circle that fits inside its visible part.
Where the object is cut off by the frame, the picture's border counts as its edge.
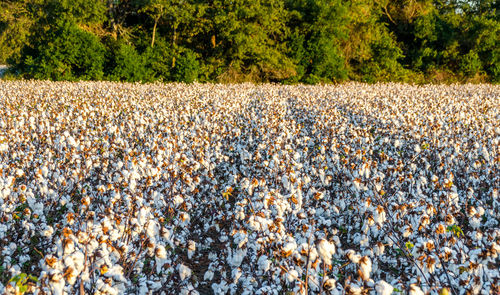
(264, 263)
(326, 251)
(288, 249)
(415, 290)
(152, 230)
(57, 283)
(353, 289)
(329, 283)
(383, 288)
(237, 257)
(184, 272)
(292, 275)
(160, 257)
(353, 256)
(365, 266)
(236, 274)
(209, 275)
(116, 272)
(191, 246)
(379, 249)
(379, 215)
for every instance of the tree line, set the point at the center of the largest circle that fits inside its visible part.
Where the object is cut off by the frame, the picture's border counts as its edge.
(286, 41)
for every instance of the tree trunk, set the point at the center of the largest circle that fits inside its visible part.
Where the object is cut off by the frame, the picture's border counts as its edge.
(174, 37)
(154, 33)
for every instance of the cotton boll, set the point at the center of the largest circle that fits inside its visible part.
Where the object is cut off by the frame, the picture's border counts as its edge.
(379, 215)
(237, 257)
(185, 218)
(383, 288)
(184, 272)
(57, 283)
(485, 154)
(415, 290)
(152, 230)
(365, 265)
(220, 288)
(69, 246)
(474, 222)
(326, 251)
(116, 272)
(209, 275)
(379, 249)
(191, 248)
(353, 256)
(48, 232)
(329, 283)
(263, 263)
(292, 275)
(160, 252)
(236, 274)
(78, 260)
(353, 289)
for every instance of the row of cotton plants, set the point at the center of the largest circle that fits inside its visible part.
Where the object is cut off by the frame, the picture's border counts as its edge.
(109, 188)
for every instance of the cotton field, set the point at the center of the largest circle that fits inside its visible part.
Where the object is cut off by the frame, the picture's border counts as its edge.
(110, 188)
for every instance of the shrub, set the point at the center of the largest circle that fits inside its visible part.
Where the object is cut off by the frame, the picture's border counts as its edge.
(470, 64)
(186, 67)
(63, 52)
(124, 63)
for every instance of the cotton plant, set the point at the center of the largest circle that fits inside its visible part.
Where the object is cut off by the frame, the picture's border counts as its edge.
(249, 189)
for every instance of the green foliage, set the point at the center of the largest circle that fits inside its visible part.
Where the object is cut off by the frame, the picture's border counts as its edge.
(15, 22)
(288, 41)
(159, 60)
(21, 280)
(125, 63)
(455, 229)
(481, 37)
(62, 52)
(470, 64)
(318, 28)
(384, 64)
(186, 67)
(247, 37)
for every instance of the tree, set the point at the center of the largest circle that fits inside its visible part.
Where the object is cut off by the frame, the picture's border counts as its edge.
(58, 47)
(371, 51)
(174, 12)
(318, 28)
(15, 23)
(246, 40)
(64, 52)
